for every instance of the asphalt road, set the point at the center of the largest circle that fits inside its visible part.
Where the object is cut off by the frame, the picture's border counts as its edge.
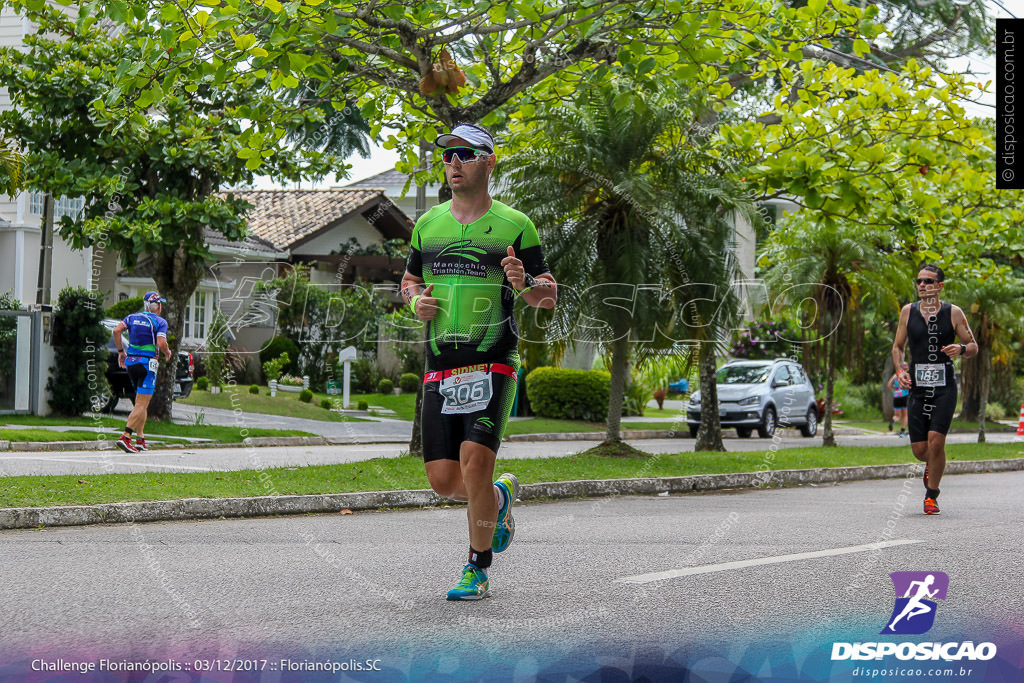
(573, 589)
(239, 458)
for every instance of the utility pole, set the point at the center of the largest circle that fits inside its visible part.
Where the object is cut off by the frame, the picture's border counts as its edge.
(45, 252)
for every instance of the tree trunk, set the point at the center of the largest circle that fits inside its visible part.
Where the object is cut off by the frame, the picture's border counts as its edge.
(709, 434)
(828, 438)
(887, 397)
(971, 378)
(619, 370)
(177, 275)
(985, 382)
(416, 442)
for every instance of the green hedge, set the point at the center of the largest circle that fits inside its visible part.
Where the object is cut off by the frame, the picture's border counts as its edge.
(569, 394)
(78, 380)
(122, 308)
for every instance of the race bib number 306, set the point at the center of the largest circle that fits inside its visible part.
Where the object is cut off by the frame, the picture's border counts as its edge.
(930, 375)
(466, 393)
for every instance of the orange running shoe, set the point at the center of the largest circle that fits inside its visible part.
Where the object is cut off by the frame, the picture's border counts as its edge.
(930, 508)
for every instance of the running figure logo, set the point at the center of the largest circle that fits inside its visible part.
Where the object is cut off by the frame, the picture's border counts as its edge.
(914, 613)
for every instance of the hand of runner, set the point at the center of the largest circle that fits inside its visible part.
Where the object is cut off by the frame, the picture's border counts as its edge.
(426, 305)
(121, 358)
(514, 271)
(951, 350)
(903, 377)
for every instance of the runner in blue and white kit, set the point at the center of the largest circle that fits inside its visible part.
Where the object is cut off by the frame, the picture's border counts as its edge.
(147, 335)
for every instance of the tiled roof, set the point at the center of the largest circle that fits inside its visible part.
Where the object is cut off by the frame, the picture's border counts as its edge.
(389, 178)
(286, 217)
(251, 242)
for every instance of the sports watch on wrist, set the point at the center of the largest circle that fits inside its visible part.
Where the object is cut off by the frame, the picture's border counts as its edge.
(529, 281)
(963, 349)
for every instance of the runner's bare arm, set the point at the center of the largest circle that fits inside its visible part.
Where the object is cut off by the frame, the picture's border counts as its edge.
(161, 343)
(898, 346)
(963, 331)
(412, 287)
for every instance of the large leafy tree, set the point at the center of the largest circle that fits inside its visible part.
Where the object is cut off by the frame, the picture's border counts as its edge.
(620, 199)
(994, 306)
(148, 178)
(836, 267)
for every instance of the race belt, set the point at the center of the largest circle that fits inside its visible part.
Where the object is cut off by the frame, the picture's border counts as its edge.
(440, 375)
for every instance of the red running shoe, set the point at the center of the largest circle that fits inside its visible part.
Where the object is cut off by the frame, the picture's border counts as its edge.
(140, 444)
(125, 444)
(930, 508)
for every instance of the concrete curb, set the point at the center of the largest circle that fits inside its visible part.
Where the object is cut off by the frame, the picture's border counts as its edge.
(207, 508)
(630, 435)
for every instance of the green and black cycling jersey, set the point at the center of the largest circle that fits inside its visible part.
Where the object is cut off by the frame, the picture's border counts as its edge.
(474, 322)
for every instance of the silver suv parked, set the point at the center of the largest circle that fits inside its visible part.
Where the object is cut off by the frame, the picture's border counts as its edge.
(761, 394)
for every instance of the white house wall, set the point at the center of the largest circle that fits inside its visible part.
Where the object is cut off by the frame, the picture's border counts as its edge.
(336, 238)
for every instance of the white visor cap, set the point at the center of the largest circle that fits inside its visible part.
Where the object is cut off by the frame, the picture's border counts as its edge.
(476, 137)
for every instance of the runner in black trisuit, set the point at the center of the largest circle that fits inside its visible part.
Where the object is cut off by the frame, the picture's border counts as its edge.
(931, 327)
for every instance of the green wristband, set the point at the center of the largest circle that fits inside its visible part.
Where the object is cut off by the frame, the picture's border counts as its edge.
(412, 303)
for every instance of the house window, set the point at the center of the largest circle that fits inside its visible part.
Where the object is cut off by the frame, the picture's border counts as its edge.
(65, 206)
(196, 316)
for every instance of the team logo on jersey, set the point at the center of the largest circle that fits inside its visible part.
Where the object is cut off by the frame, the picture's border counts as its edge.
(462, 250)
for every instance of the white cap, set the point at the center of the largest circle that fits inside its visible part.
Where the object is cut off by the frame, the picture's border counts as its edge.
(474, 135)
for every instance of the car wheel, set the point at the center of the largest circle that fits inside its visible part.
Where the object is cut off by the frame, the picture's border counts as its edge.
(109, 403)
(766, 429)
(693, 431)
(811, 427)
(744, 432)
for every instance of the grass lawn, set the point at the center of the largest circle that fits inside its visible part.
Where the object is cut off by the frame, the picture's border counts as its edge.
(154, 429)
(285, 404)
(544, 425)
(407, 473)
(404, 405)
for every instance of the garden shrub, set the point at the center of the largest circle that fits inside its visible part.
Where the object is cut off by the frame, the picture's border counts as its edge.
(569, 394)
(409, 382)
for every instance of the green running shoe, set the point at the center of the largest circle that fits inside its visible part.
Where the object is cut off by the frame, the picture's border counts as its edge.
(505, 528)
(473, 585)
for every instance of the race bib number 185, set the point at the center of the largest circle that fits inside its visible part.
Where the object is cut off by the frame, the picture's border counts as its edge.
(930, 375)
(466, 393)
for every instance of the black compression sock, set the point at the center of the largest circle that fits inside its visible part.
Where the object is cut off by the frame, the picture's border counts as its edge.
(481, 559)
(932, 493)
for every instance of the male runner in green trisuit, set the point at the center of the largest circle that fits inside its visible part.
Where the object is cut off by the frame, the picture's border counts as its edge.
(931, 327)
(475, 256)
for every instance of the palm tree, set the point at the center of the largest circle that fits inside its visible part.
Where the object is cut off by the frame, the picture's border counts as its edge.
(994, 306)
(11, 176)
(612, 193)
(837, 267)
